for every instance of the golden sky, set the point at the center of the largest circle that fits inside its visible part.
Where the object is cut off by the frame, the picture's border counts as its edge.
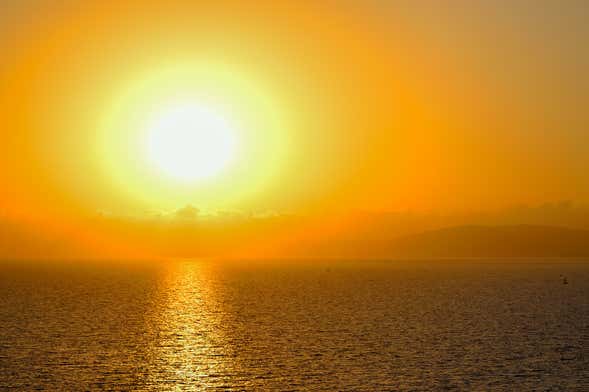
(341, 106)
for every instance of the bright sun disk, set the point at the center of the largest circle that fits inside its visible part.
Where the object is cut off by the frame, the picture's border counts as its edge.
(190, 142)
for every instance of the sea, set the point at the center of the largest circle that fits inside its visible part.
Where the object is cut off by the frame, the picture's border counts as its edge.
(294, 325)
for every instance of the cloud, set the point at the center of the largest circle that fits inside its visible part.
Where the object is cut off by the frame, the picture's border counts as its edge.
(188, 232)
(187, 212)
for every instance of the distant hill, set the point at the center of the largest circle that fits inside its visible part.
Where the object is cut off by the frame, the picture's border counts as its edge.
(494, 241)
(254, 238)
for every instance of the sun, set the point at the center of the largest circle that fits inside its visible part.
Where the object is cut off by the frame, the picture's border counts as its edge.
(190, 142)
(193, 132)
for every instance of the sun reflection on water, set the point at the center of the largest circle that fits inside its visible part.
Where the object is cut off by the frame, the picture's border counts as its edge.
(189, 348)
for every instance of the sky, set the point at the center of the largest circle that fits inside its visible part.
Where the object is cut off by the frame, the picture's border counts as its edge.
(342, 106)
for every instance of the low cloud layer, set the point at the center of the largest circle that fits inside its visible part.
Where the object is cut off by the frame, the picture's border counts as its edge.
(187, 233)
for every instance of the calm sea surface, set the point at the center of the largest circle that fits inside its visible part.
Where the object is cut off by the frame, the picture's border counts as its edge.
(191, 325)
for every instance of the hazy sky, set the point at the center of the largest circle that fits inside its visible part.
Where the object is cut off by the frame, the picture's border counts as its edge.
(348, 105)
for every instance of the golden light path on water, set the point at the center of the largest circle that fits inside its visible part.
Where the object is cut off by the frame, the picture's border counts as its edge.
(190, 348)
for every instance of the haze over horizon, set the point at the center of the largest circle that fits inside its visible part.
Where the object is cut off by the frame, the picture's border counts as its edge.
(551, 230)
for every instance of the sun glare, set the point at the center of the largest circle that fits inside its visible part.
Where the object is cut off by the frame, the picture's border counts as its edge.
(190, 142)
(192, 133)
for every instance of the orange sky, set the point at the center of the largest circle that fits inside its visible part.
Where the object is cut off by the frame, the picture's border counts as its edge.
(380, 106)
